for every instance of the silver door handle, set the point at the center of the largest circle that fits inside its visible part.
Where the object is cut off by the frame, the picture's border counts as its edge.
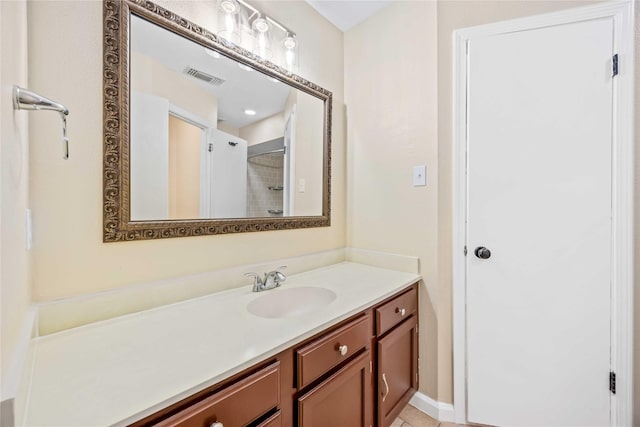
(386, 387)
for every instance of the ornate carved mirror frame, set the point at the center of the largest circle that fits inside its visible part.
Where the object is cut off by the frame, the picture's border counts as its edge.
(117, 223)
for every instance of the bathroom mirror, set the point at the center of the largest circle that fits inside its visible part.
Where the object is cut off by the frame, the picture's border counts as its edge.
(202, 136)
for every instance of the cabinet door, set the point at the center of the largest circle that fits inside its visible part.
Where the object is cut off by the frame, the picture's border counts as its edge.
(342, 400)
(397, 370)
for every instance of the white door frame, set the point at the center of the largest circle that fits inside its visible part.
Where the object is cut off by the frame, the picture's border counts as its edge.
(205, 166)
(622, 13)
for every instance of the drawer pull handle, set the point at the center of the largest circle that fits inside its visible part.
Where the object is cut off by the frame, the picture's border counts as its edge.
(342, 349)
(401, 311)
(386, 387)
(216, 424)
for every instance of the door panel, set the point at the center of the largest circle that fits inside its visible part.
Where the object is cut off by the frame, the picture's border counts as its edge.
(149, 157)
(228, 175)
(539, 197)
(340, 401)
(397, 370)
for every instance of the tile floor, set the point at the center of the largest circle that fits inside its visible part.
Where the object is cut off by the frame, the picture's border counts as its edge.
(412, 417)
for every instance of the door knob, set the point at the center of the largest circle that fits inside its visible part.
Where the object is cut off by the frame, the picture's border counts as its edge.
(482, 252)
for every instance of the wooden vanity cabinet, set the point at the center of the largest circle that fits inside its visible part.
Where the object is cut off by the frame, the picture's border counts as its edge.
(397, 355)
(358, 373)
(328, 351)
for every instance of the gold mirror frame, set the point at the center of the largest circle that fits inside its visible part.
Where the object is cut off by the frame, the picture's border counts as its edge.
(117, 224)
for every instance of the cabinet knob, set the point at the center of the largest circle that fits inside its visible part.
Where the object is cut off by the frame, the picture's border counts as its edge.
(342, 349)
(401, 311)
(216, 424)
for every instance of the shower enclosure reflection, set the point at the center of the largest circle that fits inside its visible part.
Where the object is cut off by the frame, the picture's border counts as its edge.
(213, 138)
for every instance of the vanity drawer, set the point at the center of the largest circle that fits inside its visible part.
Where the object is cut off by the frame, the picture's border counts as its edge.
(395, 311)
(236, 405)
(319, 356)
(274, 420)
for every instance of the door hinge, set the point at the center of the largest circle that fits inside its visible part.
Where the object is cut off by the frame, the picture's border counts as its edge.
(465, 250)
(210, 148)
(614, 65)
(370, 366)
(612, 382)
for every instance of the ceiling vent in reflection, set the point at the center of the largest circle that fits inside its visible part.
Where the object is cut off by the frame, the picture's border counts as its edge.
(201, 75)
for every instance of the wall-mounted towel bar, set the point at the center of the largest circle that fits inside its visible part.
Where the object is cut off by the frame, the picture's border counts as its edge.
(24, 99)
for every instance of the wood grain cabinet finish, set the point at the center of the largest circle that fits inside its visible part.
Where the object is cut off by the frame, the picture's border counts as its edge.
(395, 311)
(342, 400)
(353, 374)
(321, 355)
(397, 354)
(274, 420)
(235, 406)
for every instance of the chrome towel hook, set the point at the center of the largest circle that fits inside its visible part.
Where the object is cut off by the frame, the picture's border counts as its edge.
(24, 99)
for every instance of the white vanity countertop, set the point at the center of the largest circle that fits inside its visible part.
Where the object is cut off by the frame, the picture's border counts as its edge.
(123, 369)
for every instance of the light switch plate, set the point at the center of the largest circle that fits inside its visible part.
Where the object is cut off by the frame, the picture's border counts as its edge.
(420, 176)
(302, 185)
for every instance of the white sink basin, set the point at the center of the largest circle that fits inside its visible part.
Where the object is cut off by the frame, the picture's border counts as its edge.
(290, 302)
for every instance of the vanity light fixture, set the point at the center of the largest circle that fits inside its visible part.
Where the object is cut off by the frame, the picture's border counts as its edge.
(290, 52)
(250, 112)
(231, 18)
(242, 24)
(262, 34)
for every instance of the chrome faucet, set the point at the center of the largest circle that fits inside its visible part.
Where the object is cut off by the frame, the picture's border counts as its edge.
(270, 280)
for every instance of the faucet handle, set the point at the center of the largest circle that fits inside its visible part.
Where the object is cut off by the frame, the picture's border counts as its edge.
(257, 280)
(281, 277)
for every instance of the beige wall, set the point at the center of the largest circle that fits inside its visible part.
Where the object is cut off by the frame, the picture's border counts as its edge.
(398, 91)
(264, 130)
(228, 129)
(15, 283)
(150, 76)
(185, 141)
(391, 101)
(69, 256)
(393, 110)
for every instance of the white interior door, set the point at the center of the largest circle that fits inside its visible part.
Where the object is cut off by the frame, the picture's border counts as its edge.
(149, 157)
(539, 129)
(228, 175)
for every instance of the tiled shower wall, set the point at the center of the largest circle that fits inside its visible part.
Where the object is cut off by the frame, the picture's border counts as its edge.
(263, 172)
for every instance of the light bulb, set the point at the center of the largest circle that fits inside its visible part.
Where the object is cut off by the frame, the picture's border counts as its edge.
(289, 42)
(250, 112)
(261, 25)
(228, 6)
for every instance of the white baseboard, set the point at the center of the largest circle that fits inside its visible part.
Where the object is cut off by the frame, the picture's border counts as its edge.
(437, 410)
